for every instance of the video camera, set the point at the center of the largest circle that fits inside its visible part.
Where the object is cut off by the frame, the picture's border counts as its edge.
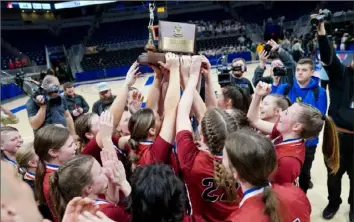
(324, 16)
(31, 87)
(224, 78)
(279, 71)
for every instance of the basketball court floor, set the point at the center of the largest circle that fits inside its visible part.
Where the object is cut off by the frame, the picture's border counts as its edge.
(317, 195)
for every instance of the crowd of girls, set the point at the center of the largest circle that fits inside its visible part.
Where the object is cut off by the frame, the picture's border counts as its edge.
(239, 163)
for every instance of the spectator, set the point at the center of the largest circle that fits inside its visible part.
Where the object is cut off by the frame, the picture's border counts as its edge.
(17, 63)
(7, 117)
(238, 69)
(106, 98)
(297, 50)
(285, 60)
(341, 109)
(11, 64)
(77, 104)
(50, 108)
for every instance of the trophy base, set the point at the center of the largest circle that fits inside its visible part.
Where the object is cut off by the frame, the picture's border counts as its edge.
(151, 58)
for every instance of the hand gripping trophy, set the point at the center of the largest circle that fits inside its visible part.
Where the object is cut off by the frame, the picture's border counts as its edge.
(172, 37)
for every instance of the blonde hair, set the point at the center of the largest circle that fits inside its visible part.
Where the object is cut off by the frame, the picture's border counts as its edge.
(23, 156)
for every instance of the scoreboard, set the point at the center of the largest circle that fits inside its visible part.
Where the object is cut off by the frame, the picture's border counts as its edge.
(29, 5)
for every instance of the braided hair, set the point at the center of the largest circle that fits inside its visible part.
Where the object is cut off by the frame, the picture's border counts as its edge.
(216, 125)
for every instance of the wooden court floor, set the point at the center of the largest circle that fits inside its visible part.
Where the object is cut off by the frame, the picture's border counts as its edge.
(317, 195)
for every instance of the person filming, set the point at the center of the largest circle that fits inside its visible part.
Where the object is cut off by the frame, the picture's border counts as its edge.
(341, 110)
(50, 108)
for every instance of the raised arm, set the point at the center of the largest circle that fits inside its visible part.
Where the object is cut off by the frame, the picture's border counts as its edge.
(155, 90)
(261, 90)
(259, 71)
(119, 102)
(198, 105)
(184, 107)
(172, 98)
(331, 63)
(210, 97)
(286, 59)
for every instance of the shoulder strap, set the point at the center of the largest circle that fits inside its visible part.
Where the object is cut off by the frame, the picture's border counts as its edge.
(287, 89)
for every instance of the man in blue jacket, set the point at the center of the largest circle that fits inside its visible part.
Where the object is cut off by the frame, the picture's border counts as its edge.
(305, 88)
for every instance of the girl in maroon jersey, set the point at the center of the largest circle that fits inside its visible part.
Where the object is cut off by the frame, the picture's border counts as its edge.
(201, 164)
(27, 161)
(297, 123)
(87, 125)
(53, 145)
(150, 138)
(271, 107)
(83, 176)
(250, 159)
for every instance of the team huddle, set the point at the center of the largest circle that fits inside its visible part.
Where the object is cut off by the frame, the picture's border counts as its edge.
(181, 158)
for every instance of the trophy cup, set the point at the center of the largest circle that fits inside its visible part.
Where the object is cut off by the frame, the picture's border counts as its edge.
(173, 37)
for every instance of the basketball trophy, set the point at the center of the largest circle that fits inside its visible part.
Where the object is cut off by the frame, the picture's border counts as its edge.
(172, 37)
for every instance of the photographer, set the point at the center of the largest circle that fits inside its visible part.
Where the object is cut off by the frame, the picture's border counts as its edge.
(341, 109)
(281, 70)
(50, 108)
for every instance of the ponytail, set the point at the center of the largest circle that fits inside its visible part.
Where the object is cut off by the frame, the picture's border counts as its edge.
(56, 197)
(271, 204)
(330, 145)
(40, 173)
(133, 157)
(222, 180)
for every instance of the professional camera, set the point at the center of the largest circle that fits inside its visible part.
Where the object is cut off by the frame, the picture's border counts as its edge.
(224, 78)
(30, 87)
(324, 16)
(267, 47)
(279, 71)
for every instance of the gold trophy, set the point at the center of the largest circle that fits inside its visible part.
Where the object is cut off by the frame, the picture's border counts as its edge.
(173, 37)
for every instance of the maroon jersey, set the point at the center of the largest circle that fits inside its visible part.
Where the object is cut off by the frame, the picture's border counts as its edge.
(113, 211)
(290, 155)
(197, 166)
(293, 205)
(92, 148)
(158, 151)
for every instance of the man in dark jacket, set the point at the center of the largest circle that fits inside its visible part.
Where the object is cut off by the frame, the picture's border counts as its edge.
(285, 60)
(77, 105)
(341, 109)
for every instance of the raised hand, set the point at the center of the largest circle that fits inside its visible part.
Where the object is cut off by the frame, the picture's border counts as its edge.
(132, 74)
(106, 124)
(206, 67)
(77, 206)
(195, 66)
(262, 89)
(135, 103)
(185, 62)
(172, 61)
(114, 168)
(274, 45)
